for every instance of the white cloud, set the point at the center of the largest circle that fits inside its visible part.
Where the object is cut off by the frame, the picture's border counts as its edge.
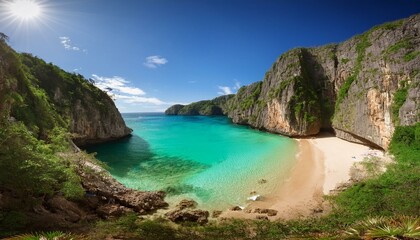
(67, 44)
(117, 84)
(119, 89)
(224, 90)
(137, 99)
(155, 61)
(237, 85)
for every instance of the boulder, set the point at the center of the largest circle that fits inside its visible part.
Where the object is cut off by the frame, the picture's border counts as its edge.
(216, 213)
(269, 212)
(187, 203)
(236, 208)
(198, 216)
(112, 210)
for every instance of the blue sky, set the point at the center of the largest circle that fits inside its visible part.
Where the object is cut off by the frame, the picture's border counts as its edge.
(154, 53)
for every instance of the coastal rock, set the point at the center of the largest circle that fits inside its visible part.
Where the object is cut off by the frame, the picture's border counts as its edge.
(269, 212)
(349, 88)
(187, 203)
(216, 213)
(112, 210)
(90, 124)
(74, 103)
(174, 110)
(236, 208)
(99, 183)
(178, 215)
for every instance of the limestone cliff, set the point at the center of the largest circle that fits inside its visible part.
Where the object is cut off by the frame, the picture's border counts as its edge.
(90, 113)
(361, 88)
(216, 106)
(351, 87)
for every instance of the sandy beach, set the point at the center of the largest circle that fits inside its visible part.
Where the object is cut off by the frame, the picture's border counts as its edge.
(322, 163)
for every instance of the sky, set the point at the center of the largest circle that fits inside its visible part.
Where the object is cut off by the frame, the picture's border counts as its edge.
(156, 53)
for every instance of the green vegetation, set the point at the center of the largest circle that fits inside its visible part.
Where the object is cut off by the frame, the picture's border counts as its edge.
(361, 47)
(403, 44)
(252, 94)
(399, 98)
(206, 107)
(411, 55)
(345, 60)
(34, 137)
(402, 227)
(382, 196)
(53, 235)
(39, 169)
(390, 25)
(215, 106)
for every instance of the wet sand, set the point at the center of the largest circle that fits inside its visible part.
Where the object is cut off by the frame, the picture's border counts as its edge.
(321, 164)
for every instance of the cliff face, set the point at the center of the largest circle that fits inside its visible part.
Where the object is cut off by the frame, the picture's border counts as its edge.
(89, 113)
(361, 88)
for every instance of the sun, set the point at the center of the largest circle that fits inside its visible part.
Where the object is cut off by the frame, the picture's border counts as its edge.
(24, 10)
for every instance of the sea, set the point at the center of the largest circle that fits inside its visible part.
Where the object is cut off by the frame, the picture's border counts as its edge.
(205, 158)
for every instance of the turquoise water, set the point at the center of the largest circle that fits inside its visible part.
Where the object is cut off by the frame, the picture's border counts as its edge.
(209, 159)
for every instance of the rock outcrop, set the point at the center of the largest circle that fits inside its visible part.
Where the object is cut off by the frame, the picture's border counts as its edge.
(350, 87)
(174, 110)
(361, 88)
(217, 106)
(102, 188)
(41, 108)
(91, 113)
(185, 212)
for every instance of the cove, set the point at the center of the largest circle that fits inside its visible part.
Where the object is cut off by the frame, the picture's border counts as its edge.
(208, 159)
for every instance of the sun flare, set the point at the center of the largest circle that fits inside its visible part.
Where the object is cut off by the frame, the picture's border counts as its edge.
(24, 9)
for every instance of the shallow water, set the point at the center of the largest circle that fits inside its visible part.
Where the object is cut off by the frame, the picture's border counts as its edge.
(209, 159)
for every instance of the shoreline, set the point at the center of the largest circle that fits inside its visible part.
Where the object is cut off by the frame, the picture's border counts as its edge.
(322, 164)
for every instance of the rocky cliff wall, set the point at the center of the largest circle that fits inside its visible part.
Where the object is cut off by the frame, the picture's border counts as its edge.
(90, 114)
(362, 88)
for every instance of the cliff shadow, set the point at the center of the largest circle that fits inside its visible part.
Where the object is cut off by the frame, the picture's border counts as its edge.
(122, 155)
(322, 83)
(133, 159)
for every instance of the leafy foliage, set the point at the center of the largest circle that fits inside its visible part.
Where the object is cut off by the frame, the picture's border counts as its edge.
(39, 169)
(401, 227)
(382, 195)
(399, 98)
